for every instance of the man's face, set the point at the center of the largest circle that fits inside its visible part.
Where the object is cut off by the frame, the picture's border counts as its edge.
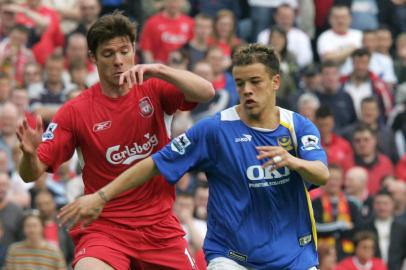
(33, 228)
(5, 89)
(256, 88)
(330, 79)
(384, 40)
(113, 57)
(54, 70)
(77, 48)
(46, 205)
(365, 249)
(325, 126)
(216, 59)
(340, 19)
(90, 10)
(383, 206)
(203, 28)
(334, 183)
(369, 112)
(18, 38)
(364, 143)
(369, 41)
(361, 64)
(285, 17)
(173, 6)
(9, 120)
(20, 98)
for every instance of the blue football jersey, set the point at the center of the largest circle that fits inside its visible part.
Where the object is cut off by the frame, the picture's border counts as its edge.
(260, 218)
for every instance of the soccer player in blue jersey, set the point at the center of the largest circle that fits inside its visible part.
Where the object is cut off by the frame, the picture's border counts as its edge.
(260, 161)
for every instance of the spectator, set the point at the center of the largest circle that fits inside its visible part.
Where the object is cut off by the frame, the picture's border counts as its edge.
(10, 214)
(212, 7)
(397, 188)
(68, 11)
(370, 117)
(14, 54)
(224, 32)
(34, 252)
(201, 199)
(223, 80)
(78, 73)
(8, 127)
(363, 258)
(298, 41)
(380, 64)
(338, 43)
(362, 83)
(307, 105)
(54, 234)
(310, 82)
(32, 75)
(327, 256)
(390, 234)
(384, 41)
(198, 45)
(355, 183)
(332, 95)
(378, 165)
(44, 23)
(7, 18)
(288, 64)
(338, 150)
(77, 50)
(400, 60)
(6, 84)
(19, 97)
(165, 32)
(89, 13)
(47, 99)
(336, 215)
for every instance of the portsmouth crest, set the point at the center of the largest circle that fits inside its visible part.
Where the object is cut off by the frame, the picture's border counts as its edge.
(146, 108)
(285, 142)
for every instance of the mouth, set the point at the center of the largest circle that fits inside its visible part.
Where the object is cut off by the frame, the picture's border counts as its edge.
(250, 103)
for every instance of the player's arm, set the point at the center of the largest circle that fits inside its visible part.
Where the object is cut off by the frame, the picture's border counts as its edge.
(194, 87)
(89, 207)
(314, 171)
(30, 167)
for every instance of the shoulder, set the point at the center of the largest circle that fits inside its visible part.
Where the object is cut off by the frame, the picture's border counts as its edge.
(15, 247)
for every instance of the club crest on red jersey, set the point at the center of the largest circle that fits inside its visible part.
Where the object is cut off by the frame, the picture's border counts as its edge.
(146, 108)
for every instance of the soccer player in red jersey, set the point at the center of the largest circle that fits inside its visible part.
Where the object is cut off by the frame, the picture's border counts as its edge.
(113, 125)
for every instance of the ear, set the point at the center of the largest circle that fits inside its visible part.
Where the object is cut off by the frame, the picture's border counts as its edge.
(276, 82)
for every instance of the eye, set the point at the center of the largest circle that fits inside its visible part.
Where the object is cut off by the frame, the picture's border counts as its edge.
(107, 54)
(124, 52)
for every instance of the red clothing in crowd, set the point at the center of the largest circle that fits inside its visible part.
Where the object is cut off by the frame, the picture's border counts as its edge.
(51, 38)
(339, 152)
(381, 167)
(400, 170)
(352, 263)
(162, 34)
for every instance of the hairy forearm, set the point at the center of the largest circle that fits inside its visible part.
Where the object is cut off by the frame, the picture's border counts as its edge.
(314, 172)
(31, 168)
(131, 178)
(338, 56)
(194, 87)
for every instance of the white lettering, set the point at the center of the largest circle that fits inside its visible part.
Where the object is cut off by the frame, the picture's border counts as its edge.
(127, 155)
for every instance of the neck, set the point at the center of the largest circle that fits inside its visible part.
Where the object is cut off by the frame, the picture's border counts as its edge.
(199, 43)
(268, 119)
(172, 15)
(35, 242)
(113, 91)
(327, 137)
(368, 158)
(357, 80)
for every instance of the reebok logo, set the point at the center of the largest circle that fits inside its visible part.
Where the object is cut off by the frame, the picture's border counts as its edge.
(244, 138)
(101, 126)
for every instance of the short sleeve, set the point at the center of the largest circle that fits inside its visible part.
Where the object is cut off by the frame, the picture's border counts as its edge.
(58, 140)
(308, 140)
(189, 151)
(172, 99)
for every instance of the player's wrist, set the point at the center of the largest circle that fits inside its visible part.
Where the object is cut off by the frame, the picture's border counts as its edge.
(102, 196)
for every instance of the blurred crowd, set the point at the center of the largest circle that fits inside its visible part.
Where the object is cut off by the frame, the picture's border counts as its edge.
(343, 66)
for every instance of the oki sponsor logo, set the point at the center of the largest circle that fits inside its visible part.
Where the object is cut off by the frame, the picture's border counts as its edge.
(255, 173)
(127, 154)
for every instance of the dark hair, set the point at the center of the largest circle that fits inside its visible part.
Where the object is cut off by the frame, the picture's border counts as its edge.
(203, 16)
(328, 64)
(77, 64)
(384, 192)
(364, 127)
(108, 27)
(257, 53)
(284, 34)
(338, 6)
(363, 235)
(370, 99)
(21, 28)
(360, 52)
(55, 56)
(323, 112)
(32, 213)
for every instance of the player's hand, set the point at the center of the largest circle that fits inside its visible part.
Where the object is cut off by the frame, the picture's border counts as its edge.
(277, 155)
(30, 138)
(138, 74)
(85, 209)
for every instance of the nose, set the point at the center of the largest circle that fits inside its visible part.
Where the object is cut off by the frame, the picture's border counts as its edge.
(118, 60)
(247, 89)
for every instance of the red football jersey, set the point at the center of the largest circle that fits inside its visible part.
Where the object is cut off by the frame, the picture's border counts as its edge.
(110, 135)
